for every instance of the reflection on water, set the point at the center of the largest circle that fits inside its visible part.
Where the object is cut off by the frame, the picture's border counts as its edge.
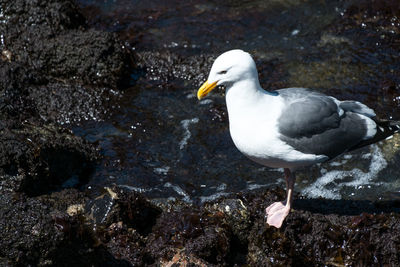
(165, 143)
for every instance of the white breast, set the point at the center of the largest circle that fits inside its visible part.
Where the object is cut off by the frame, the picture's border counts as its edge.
(254, 130)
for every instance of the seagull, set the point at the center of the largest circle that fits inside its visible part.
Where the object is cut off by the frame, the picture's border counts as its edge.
(289, 128)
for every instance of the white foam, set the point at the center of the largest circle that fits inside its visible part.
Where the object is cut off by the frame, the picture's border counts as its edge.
(179, 191)
(319, 187)
(136, 189)
(110, 204)
(185, 124)
(206, 101)
(295, 32)
(190, 95)
(366, 156)
(213, 197)
(255, 186)
(162, 170)
(221, 187)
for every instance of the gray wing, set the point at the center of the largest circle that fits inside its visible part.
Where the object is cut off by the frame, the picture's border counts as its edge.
(313, 123)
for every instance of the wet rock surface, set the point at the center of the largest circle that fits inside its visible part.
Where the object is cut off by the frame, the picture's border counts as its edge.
(53, 59)
(226, 232)
(40, 232)
(55, 70)
(322, 232)
(38, 159)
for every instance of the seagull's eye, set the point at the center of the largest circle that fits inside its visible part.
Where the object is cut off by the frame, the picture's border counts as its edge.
(222, 72)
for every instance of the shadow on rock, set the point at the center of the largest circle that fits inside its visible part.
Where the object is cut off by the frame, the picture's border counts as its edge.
(346, 207)
(37, 159)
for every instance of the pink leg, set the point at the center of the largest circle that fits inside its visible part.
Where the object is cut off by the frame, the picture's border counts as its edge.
(277, 212)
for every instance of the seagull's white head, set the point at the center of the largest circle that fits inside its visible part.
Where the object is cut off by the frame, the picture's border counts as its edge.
(230, 67)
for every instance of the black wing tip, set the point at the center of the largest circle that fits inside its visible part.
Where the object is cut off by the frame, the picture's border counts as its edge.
(384, 130)
(388, 127)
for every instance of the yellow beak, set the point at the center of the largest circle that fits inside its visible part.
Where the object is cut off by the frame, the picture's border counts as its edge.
(205, 89)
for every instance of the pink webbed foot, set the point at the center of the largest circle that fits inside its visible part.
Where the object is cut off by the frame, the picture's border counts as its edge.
(276, 214)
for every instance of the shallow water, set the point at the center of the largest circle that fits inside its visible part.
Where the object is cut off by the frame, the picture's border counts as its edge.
(163, 142)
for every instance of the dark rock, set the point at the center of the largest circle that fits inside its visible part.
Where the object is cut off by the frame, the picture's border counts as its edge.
(209, 233)
(27, 230)
(89, 57)
(37, 159)
(165, 66)
(51, 16)
(172, 231)
(66, 103)
(52, 69)
(213, 245)
(137, 212)
(322, 238)
(119, 205)
(122, 219)
(35, 237)
(181, 258)
(125, 243)
(48, 51)
(237, 216)
(45, 231)
(13, 76)
(50, 38)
